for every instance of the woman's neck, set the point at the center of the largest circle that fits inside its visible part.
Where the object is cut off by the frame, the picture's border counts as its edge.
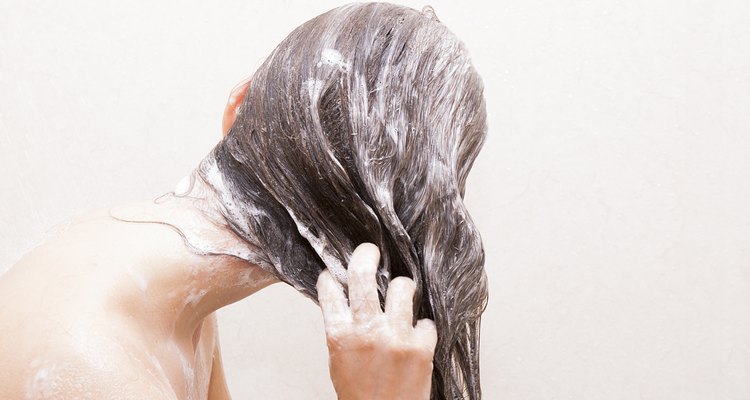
(191, 266)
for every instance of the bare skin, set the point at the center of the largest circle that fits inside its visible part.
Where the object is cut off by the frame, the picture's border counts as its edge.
(118, 310)
(375, 354)
(115, 310)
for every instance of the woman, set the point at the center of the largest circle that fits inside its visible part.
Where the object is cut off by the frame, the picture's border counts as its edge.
(361, 126)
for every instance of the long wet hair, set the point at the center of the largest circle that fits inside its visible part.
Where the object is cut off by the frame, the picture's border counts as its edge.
(361, 126)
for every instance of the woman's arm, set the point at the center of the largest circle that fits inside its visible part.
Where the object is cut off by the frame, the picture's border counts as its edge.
(217, 387)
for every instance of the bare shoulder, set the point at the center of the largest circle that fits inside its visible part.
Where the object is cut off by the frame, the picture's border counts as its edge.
(53, 309)
(81, 364)
(70, 381)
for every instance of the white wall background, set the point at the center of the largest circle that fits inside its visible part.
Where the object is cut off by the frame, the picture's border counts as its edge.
(613, 193)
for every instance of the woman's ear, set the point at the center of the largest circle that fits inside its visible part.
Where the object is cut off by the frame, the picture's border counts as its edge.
(233, 105)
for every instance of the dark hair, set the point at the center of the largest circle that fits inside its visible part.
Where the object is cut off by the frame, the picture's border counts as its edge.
(361, 126)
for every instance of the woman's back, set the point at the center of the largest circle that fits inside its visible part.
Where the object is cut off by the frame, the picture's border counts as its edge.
(94, 313)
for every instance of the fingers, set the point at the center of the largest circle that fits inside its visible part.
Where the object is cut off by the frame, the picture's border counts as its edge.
(399, 302)
(364, 304)
(361, 336)
(427, 332)
(363, 288)
(332, 300)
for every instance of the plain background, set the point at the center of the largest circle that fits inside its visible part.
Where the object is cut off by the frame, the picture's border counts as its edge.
(613, 192)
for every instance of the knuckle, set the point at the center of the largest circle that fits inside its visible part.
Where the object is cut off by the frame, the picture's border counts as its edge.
(427, 325)
(332, 341)
(336, 338)
(406, 351)
(362, 270)
(424, 352)
(336, 331)
(397, 349)
(359, 304)
(362, 344)
(366, 345)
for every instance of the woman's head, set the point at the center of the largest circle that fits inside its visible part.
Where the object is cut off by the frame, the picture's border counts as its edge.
(361, 126)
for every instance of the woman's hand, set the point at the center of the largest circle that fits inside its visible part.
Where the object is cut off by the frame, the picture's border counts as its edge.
(375, 354)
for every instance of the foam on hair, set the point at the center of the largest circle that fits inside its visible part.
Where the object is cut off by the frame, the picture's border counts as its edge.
(361, 126)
